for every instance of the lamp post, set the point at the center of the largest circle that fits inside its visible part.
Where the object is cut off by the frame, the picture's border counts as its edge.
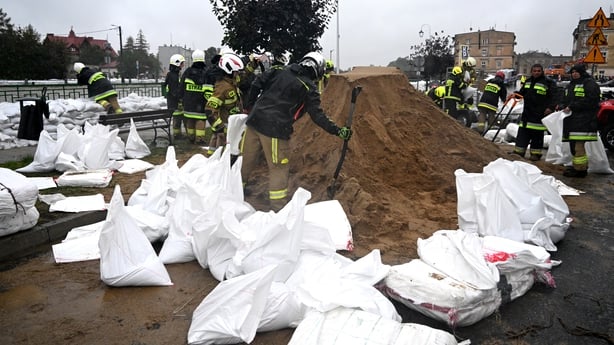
(337, 64)
(121, 45)
(330, 53)
(421, 32)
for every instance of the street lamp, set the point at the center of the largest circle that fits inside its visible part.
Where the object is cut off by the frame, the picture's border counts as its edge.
(331, 54)
(421, 32)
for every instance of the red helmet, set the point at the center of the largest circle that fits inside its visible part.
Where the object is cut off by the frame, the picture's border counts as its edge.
(500, 75)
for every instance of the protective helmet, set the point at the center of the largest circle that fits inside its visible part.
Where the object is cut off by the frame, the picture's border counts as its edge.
(315, 63)
(440, 91)
(330, 65)
(457, 70)
(198, 55)
(470, 62)
(77, 67)
(282, 58)
(230, 63)
(500, 74)
(177, 59)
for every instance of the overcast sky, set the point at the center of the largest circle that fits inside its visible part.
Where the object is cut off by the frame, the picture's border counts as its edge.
(371, 32)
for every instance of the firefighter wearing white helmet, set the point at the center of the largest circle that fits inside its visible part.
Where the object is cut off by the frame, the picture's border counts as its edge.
(278, 98)
(196, 88)
(98, 87)
(225, 100)
(174, 93)
(469, 70)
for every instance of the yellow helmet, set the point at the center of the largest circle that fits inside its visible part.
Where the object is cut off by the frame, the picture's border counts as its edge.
(457, 70)
(440, 91)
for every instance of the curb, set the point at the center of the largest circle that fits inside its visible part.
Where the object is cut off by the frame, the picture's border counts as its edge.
(41, 237)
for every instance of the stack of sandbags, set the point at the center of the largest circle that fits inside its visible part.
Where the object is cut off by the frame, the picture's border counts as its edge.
(17, 202)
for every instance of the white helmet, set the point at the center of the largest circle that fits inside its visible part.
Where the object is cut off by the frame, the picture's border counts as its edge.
(177, 60)
(230, 62)
(198, 55)
(470, 62)
(77, 67)
(315, 62)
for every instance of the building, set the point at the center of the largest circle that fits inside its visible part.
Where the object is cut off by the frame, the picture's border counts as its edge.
(581, 35)
(74, 45)
(165, 52)
(493, 50)
(556, 66)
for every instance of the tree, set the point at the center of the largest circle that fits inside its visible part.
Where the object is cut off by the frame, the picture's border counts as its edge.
(5, 22)
(91, 54)
(274, 25)
(437, 51)
(141, 43)
(136, 60)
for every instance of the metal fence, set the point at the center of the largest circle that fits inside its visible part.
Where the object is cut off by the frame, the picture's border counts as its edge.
(10, 93)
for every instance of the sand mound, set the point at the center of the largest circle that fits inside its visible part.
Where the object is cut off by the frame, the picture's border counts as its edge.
(397, 183)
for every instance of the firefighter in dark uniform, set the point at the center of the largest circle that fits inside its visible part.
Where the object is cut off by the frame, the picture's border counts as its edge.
(98, 87)
(277, 99)
(582, 98)
(455, 85)
(196, 90)
(494, 91)
(225, 100)
(537, 92)
(174, 102)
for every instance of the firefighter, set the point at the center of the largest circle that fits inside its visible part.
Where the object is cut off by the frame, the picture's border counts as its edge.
(225, 100)
(174, 102)
(98, 87)
(537, 92)
(582, 101)
(436, 93)
(453, 96)
(196, 90)
(277, 99)
(494, 91)
(330, 67)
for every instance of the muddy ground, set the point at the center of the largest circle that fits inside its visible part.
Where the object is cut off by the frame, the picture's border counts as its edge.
(397, 185)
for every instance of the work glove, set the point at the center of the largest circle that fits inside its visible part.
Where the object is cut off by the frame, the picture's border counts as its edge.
(345, 133)
(218, 126)
(514, 95)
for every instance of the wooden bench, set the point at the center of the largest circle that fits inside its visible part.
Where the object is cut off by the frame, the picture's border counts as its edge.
(143, 120)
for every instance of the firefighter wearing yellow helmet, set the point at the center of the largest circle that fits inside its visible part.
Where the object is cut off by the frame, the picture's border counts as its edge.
(455, 84)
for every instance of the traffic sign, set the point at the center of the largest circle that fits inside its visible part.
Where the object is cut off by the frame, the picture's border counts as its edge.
(599, 20)
(594, 56)
(597, 38)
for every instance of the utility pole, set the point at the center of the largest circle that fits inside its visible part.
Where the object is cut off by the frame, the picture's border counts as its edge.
(337, 64)
(121, 46)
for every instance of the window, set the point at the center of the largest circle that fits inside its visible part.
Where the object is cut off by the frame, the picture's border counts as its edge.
(499, 50)
(468, 41)
(483, 64)
(484, 52)
(499, 63)
(485, 41)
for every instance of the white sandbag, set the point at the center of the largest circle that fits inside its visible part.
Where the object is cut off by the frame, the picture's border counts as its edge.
(117, 149)
(17, 193)
(94, 151)
(155, 227)
(43, 182)
(231, 312)
(343, 326)
(126, 255)
(132, 166)
(458, 254)
(21, 220)
(433, 293)
(99, 178)
(331, 216)
(47, 151)
(66, 162)
(135, 146)
(236, 126)
(282, 310)
(80, 203)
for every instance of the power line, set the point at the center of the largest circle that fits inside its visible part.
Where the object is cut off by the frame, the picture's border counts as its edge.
(92, 32)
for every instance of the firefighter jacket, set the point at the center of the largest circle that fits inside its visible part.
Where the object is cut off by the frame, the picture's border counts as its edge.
(494, 91)
(538, 96)
(280, 97)
(98, 86)
(454, 87)
(173, 88)
(196, 90)
(436, 94)
(582, 96)
(225, 100)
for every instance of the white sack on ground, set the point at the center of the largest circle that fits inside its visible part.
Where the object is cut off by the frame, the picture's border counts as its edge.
(236, 126)
(80, 244)
(431, 292)
(126, 256)
(154, 226)
(135, 146)
(47, 151)
(94, 151)
(17, 193)
(282, 310)
(231, 312)
(81, 203)
(131, 166)
(44, 182)
(559, 152)
(99, 178)
(331, 216)
(350, 326)
(22, 220)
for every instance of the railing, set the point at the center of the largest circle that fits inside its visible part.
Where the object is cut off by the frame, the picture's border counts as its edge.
(10, 93)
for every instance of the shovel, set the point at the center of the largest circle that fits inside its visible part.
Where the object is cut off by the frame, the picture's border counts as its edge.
(333, 188)
(514, 100)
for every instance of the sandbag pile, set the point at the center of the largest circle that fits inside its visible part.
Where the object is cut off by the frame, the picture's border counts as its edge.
(17, 202)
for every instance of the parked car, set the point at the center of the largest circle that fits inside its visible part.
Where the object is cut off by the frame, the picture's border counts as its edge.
(605, 117)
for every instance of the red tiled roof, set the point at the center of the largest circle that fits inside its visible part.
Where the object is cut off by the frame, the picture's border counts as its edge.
(74, 41)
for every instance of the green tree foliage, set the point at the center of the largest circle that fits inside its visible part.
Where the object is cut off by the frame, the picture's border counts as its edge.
(437, 51)
(274, 25)
(91, 55)
(136, 61)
